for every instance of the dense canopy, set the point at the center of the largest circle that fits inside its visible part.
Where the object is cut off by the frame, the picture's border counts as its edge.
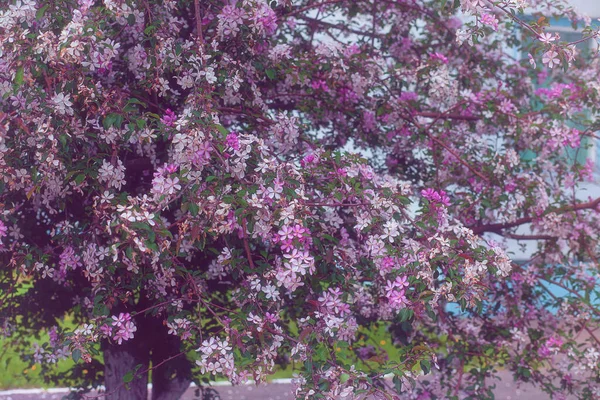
(219, 189)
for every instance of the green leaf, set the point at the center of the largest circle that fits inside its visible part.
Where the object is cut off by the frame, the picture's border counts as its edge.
(397, 383)
(76, 355)
(425, 366)
(109, 120)
(118, 121)
(79, 178)
(19, 76)
(151, 245)
(166, 232)
(222, 129)
(63, 140)
(271, 74)
(128, 377)
(112, 120)
(330, 238)
(405, 314)
(133, 100)
(40, 13)
(149, 30)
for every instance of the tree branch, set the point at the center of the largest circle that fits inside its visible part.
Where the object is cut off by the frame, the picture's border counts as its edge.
(429, 114)
(339, 27)
(311, 6)
(529, 237)
(199, 25)
(246, 246)
(463, 162)
(498, 228)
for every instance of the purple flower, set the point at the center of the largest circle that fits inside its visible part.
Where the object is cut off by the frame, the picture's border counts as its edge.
(3, 230)
(68, 258)
(169, 118)
(436, 197)
(233, 141)
(319, 84)
(430, 195)
(365, 352)
(121, 319)
(439, 57)
(409, 96)
(106, 330)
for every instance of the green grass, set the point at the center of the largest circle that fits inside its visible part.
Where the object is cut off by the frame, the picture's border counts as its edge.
(19, 374)
(16, 373)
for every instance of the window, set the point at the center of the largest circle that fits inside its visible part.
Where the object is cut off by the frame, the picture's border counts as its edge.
(590, 148)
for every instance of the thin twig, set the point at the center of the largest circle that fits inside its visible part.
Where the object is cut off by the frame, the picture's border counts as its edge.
(246, 246)
(588, 330)
(336, 204)
(529, 237)
(311, 6)
(429, 114)
(463, 162)
(199, 25)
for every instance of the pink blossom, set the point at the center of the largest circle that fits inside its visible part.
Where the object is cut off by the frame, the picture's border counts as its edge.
(3, 230)
(202, 155)
(307, 160)
(439, 57)
(550, 58)
(351, 50)
(287, 245)
(171, 168)
(169, 118)
(106, 330)
(547, 37)
(490, 20)
(233, 141)
(120, 320)
(320, 84)
(532, 61)
(68, 259)
(410, 96)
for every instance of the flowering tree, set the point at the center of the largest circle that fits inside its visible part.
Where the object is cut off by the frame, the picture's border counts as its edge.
(210, 189)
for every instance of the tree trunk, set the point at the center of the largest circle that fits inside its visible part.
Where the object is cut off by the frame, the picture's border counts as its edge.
(152, 343)
(171, 379)
(119, 360)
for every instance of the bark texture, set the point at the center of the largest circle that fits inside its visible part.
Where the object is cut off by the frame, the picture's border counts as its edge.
(171, 379)
(118, 361)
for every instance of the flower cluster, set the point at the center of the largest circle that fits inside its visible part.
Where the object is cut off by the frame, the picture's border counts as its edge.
(216, 357)
(434, 196)
(122, 328)
(112, 175)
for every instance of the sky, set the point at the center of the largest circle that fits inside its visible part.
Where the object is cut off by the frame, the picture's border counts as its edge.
(589, 7)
